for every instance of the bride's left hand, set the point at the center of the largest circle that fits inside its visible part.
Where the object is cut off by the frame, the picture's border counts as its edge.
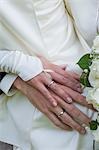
(60, 75)
(66, 83)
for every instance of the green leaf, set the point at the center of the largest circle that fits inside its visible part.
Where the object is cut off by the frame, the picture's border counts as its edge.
(85, 62)
(94, 125)
(84, 79)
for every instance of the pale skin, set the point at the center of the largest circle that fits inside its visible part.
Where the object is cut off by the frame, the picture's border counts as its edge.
(51, 101)
(68, 79)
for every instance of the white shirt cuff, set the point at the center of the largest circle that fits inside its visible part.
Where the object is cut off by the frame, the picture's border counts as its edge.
(6, 84)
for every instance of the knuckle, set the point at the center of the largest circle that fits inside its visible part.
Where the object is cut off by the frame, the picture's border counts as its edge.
(76, 113)
(50, 99)
(62, 93)
(78, 128)
(43, 79)
(57, 123)
(63, 79)
(45, 111)
(66, 119)
(49, 107)
(86, 120)
(71, 108)
(78, 96)
(82, 100)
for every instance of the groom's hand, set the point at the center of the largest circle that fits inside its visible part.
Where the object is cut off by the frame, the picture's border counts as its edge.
(72, 118)
(73, 111)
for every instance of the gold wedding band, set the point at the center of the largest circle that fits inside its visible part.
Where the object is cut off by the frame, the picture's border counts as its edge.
(50, 83)
(61, 113)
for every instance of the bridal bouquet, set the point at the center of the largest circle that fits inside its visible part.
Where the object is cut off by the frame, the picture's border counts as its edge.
(89, 63)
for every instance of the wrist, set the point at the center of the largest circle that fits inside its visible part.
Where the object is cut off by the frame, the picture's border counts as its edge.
(20, 85)
(46, 63)
(17, 84)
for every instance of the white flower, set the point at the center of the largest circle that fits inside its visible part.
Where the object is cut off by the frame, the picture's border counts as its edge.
(93, 97)
(96, 134)
(92, 93)
(86, 70)
(94, 73)
(96, 44)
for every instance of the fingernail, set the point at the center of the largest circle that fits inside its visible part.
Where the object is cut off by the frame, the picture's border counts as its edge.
(69, 99)
(54, 103)
(83, 131)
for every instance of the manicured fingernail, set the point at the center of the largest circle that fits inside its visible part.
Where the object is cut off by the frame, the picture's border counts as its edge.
(54, 103)
(69, 99)
(83, 131)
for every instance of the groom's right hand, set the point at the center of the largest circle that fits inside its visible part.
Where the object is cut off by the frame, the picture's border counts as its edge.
(72, 117)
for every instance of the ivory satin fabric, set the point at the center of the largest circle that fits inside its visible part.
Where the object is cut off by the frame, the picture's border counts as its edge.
(41, 27)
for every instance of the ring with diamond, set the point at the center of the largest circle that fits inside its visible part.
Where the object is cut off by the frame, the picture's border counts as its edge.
(61, 114)
(50, 84)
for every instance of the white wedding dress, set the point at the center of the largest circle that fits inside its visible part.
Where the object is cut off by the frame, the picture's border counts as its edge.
(35, 131)
(57, 36)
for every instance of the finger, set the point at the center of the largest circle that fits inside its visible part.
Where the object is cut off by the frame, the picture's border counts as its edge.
(68, 120)
(39, 83)
(73, 111)
(76, 76)
(63, 66)
(77, 97)
(66, 81)
(65, 73)
(46, 94)
(60, 92)
(73, 74)
(54, 87)
(77, 115)
(58, 123)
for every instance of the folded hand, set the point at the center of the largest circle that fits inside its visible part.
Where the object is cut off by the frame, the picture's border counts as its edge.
(64, 115)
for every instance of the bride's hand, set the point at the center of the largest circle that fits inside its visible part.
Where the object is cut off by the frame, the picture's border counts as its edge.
(42, 82)
(67, 83)
(67, 119)
(58, 74)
